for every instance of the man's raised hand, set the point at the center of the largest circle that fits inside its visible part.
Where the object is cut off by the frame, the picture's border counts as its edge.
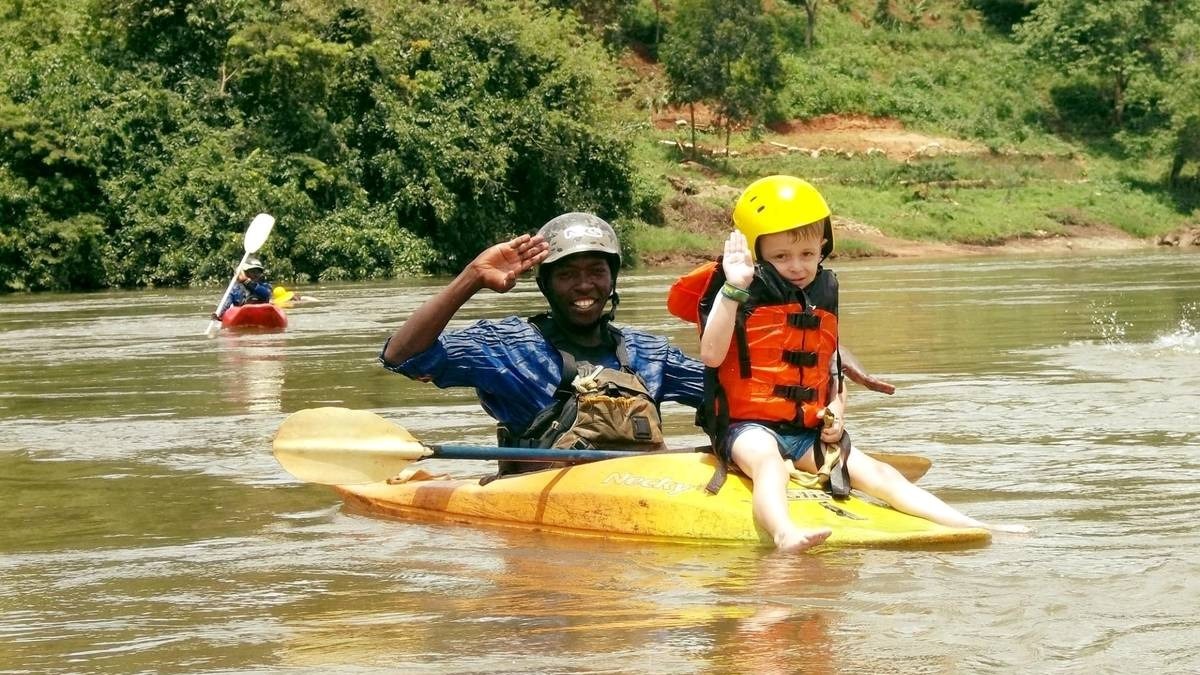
(499, 267)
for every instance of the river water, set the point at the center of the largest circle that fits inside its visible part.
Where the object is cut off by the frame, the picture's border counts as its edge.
(145, 526)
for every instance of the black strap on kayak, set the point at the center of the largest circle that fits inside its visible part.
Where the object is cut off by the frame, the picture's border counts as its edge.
(839, 473)
(720, 474)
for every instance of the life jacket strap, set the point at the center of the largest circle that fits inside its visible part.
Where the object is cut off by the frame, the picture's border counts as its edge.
(801, 359)
(642, 430)
(795, 392)
(743, 346)
(804, 320)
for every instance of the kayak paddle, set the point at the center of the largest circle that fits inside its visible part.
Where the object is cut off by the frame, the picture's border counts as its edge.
(339, 446)
(256, 236)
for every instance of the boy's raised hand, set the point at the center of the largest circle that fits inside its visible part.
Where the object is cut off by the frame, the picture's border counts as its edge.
(737, 263)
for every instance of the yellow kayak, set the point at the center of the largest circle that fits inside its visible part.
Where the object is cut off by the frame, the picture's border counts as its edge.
(656, 497)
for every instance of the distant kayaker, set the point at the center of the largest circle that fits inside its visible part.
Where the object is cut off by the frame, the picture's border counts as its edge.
(774, 397)
(251, 287)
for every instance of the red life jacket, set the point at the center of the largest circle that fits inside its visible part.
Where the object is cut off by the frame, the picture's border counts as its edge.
(778, 369)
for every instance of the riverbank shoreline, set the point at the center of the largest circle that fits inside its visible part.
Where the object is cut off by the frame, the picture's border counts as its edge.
(875, 244)
(938, 187)
(1074, 239)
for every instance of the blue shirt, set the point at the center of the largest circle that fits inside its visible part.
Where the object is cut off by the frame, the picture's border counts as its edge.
(241, 293)
(515, 370)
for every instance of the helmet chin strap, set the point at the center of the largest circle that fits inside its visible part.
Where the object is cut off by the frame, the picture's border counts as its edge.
(616, 300)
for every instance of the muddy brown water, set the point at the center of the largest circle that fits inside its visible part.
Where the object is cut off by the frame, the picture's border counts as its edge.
(145, 526)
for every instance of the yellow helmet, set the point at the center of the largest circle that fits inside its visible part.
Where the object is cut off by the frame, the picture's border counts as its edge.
(780, 203)
(280, 295)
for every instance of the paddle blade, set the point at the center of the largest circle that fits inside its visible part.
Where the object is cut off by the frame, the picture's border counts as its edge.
(259, 230)
(339, 446)
(911, 467)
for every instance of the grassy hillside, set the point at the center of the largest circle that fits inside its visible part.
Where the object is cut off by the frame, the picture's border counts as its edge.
(931, 126)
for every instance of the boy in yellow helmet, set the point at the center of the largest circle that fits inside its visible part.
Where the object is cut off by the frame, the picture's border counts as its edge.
(769, 338)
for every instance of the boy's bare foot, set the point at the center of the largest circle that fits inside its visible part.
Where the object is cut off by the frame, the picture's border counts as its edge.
(796, 540)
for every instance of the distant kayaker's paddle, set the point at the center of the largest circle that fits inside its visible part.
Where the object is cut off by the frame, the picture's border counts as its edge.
(256, 236)
(339, 446)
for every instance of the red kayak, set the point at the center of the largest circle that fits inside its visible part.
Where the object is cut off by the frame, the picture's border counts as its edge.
(259, 315)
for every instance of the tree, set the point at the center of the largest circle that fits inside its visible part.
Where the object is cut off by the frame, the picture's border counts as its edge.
(138, 137)
(689, 65)
(488, 124)
(597, 13)
(186, 38)
(810, 13)
(1182, 97)
(1002, 15)
(723, 52)
(1115, 41)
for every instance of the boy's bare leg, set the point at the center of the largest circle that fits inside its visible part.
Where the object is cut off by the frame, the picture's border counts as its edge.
(885, 482)
(757, 454)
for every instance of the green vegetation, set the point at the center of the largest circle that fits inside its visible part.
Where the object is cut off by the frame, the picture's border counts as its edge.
(139, 137)
(722, 51)
(1053, 150)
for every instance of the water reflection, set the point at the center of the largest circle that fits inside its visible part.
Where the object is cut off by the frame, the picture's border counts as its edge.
(521, 601)
(252, 364)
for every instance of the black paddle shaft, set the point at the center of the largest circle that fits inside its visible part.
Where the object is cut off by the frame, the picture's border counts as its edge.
(526, 454)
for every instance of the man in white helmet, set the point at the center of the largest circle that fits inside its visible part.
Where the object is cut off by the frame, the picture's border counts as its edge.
(544, 378)
(251, 287)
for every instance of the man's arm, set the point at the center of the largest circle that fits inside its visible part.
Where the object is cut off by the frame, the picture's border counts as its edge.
(855, 371)
(260, 290)
(496, 268)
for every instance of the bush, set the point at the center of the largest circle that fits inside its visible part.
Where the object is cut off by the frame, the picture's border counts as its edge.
(488, 108)
(357, 243)
(56, 255)
(136, 144)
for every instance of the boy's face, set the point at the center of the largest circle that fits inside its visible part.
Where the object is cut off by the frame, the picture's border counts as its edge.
(794, 253)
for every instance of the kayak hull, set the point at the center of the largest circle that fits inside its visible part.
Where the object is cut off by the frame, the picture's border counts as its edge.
(259, 315)
(659, 497)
